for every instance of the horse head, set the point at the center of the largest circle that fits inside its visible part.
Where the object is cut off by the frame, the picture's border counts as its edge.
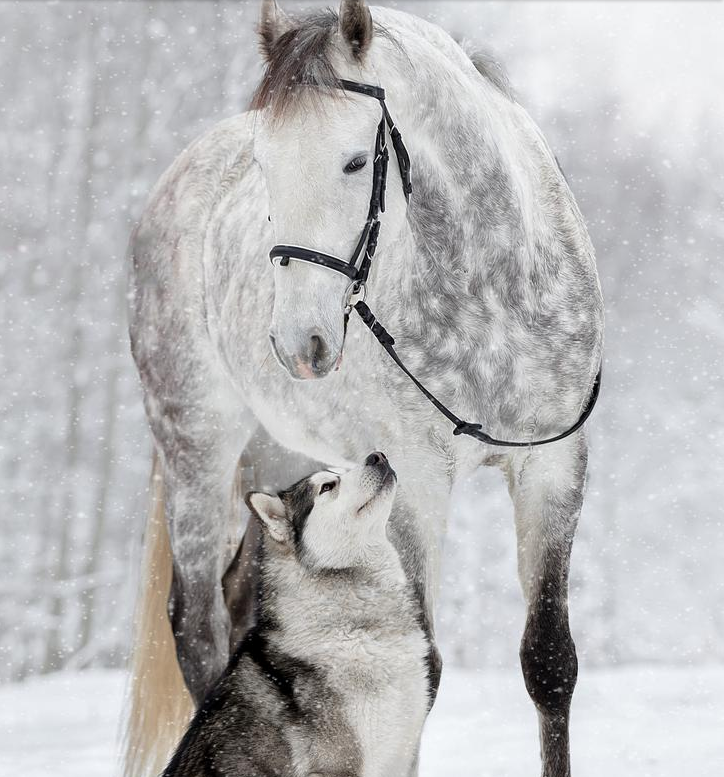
(319, 147)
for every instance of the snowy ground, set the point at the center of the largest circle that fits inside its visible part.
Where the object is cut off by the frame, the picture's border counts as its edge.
(636, 722)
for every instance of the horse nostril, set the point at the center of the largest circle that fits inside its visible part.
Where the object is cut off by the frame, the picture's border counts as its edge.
(318, 350)
(375, 458)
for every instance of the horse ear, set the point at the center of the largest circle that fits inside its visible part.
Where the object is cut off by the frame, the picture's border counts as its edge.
(273, 23)
(355, 25)
(272, 513)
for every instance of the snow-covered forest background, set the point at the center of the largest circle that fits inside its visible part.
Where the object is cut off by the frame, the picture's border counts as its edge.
(96, 100)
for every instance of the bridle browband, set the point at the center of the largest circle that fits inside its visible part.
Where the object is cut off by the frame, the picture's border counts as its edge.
(365, 248)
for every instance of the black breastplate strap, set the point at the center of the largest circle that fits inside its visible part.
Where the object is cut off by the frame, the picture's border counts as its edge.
(358, 270)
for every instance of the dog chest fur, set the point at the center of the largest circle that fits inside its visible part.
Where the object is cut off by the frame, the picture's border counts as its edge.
(367, 635)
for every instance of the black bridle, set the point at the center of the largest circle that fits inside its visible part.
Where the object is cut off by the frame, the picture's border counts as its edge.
(358, 271)
(367, 242)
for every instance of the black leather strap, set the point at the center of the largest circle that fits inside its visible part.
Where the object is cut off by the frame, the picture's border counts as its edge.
(386, 340)
(315, 257)
(367, 89)
(403, 158)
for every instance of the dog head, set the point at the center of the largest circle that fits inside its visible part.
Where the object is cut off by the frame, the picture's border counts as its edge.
(329, 520)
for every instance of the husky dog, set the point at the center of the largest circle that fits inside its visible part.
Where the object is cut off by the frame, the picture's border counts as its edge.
(333, 679)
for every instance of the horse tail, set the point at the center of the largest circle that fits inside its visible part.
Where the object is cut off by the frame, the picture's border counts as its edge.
(159, 706)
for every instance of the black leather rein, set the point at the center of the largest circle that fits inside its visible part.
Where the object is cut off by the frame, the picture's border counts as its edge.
(366, 246)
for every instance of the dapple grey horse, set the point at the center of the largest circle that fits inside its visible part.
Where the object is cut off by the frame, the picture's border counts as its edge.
(486, 278)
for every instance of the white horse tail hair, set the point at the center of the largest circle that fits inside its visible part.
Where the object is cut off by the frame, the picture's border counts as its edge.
(158, 705)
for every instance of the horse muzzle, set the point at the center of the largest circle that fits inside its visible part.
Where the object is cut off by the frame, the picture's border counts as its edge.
(310, 357)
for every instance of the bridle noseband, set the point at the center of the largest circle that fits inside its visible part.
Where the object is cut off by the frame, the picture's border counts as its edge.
(365, 248)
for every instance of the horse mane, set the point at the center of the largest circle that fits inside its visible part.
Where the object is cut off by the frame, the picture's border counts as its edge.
(491, 70)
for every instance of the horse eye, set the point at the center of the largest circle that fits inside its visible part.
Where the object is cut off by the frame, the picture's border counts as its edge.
(327, 487)
(356, 164)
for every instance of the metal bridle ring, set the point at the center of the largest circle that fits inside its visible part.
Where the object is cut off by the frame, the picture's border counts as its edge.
(354, 288)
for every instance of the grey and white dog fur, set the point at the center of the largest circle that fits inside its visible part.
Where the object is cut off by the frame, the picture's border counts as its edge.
(332, 681)
(487, 280)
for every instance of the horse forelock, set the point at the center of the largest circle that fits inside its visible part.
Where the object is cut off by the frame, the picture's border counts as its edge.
(301, 56)
(304, 54)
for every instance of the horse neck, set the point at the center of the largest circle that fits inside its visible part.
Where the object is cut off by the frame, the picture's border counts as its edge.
(487, 190)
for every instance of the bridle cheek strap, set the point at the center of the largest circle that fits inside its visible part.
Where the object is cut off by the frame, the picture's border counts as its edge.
(358, 273)
(355, 269)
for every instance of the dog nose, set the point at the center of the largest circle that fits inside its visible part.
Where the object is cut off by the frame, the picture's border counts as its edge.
(376, 458)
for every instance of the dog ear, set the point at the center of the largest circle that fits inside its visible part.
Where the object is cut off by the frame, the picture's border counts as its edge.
(273, 23)
(355, 26)
(271, 512)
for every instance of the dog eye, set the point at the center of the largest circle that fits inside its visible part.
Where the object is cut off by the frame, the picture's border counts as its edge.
(327, 486)
(356, 164)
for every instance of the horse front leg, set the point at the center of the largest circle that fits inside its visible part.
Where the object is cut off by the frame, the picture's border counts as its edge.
(199, 469)
(546, 485)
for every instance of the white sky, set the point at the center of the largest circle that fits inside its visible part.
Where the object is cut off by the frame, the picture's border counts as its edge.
(663, 60)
